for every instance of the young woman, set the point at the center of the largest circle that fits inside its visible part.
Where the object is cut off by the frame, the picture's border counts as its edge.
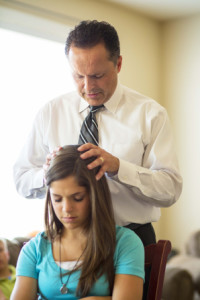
(81, 254)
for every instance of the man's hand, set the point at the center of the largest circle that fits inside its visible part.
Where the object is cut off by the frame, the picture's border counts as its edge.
(108, 162)
(49, 157)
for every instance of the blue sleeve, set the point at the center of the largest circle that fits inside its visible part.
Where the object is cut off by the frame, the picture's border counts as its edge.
(28, 259)
(129, 253)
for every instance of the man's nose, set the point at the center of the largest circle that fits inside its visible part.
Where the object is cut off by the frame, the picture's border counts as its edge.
(88, 83)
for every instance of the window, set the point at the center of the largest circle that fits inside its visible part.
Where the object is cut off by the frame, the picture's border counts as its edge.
(33, 71)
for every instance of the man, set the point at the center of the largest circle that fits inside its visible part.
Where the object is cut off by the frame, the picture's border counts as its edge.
(134, 148)
(7, 273)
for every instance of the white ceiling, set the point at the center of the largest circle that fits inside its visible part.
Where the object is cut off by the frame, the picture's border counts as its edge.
(162, 9)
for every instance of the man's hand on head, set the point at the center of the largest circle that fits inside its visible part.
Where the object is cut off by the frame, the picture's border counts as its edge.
(49, 158)
(109, 163)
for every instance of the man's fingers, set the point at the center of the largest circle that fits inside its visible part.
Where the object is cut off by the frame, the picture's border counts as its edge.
(100, 174)
(101, 159)
(51, 155)
(108, 162)
(45, 167)
(85, 147)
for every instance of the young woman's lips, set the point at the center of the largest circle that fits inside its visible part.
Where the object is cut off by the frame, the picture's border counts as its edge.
(69, 219)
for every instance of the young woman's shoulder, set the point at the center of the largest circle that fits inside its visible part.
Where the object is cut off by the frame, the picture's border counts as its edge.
(127, 241)
(129, 253)
(123, 233)
(37, 243)
(32, 253)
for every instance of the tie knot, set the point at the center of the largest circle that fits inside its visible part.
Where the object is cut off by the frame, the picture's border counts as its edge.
(94, 109)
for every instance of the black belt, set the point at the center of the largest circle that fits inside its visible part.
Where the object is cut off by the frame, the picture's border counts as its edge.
(133, 226)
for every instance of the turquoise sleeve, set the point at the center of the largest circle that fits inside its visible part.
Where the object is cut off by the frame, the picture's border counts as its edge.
(129, 254)
(28, 259)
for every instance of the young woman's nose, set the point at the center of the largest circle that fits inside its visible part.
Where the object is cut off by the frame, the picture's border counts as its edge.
(67, 205)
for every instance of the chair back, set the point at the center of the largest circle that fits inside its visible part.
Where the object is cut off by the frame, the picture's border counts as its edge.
(155, 260)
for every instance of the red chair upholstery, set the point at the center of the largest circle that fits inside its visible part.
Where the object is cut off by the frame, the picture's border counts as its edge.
(156, 259)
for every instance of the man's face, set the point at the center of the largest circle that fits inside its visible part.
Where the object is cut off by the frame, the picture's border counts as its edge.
(94, 74)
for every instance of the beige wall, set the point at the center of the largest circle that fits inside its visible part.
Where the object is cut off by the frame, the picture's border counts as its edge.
(161, 60)
(181, 95)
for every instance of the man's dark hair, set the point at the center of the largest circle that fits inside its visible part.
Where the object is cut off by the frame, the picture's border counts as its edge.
(88, 34)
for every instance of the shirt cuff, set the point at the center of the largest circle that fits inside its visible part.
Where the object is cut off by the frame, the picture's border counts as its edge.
(128, 173)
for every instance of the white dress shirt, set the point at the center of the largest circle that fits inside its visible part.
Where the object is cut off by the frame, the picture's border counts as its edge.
(132, 127)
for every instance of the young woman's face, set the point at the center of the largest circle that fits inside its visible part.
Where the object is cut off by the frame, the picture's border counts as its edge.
(71, 202)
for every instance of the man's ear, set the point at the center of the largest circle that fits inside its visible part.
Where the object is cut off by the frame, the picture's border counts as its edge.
(119, 63)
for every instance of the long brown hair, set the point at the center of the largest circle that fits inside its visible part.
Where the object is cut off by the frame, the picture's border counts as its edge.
(101, 236)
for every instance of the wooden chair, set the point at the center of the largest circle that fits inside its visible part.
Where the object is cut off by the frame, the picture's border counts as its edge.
(155, 263)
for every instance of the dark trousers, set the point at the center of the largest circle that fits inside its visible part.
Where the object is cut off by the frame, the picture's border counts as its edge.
(147, 235)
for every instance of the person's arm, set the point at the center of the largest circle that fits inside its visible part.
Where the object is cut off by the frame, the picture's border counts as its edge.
(157, 180)
(25, 289)
(127, 287)
(28, 171)
(2, 297)
(26, 271)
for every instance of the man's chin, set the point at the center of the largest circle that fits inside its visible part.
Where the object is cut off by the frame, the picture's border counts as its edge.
(95, 102)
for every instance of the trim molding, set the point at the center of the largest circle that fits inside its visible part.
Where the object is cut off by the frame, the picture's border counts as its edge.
(61, 17)
(32, 20)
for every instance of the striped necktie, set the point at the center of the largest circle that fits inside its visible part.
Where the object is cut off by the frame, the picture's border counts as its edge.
(89, 129)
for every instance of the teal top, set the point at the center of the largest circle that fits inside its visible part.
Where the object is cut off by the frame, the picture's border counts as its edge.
(36, 260)
(7, 284)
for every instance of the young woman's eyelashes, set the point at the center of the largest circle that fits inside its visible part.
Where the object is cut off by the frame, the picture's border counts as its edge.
(79, 198)
(76, 198)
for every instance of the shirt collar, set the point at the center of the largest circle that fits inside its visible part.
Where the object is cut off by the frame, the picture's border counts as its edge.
(111, 104)
(83, 105)
(13, 274)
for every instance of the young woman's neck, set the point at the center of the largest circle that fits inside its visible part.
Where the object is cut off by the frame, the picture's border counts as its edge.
(75, 234)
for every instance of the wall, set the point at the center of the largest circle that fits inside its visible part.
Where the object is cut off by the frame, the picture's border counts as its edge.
(181, 97)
